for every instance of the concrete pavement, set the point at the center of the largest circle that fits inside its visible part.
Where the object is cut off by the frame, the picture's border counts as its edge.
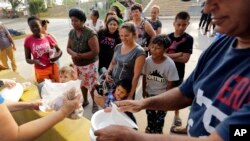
(60, 29)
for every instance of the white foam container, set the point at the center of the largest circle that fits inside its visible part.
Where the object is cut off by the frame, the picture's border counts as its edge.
(103, 119)
(13, 94)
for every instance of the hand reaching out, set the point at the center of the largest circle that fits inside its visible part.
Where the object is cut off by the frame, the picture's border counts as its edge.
(130, 105)
(9, 83)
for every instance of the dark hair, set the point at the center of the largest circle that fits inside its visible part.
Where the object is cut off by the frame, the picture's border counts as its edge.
(31, 18)
(44, 22)
(126, 84)
(111, 19)
(79, 14)
(183, 15)
(117, 11)
(130, 26)
(136, 6)
(95, 13)
(161, 40)
(107, 14)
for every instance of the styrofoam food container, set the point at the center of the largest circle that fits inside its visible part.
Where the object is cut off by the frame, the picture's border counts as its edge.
(103, 119)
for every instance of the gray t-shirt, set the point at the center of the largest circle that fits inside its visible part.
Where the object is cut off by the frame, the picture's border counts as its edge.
(157, 75)
(4, 40)
(125, 63)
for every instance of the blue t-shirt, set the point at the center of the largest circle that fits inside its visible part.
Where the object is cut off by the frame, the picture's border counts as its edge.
(219, 87)
(109, 99)
(1, 99)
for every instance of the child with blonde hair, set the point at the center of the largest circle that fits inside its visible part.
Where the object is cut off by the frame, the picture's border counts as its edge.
(67, 73)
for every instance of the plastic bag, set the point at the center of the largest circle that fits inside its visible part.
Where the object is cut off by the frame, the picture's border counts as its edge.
(54, 93)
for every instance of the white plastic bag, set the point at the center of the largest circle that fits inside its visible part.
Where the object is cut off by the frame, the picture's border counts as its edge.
(53, 94)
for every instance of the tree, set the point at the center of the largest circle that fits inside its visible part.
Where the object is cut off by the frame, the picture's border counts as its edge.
(14, 4)
(36, 6)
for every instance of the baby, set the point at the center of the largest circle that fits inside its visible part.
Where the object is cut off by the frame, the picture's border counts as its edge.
(66, 73)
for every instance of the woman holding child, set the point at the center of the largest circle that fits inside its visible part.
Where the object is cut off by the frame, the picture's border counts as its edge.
(128, 59)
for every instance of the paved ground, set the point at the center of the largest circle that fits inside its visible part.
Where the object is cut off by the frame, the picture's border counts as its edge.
(60, 29)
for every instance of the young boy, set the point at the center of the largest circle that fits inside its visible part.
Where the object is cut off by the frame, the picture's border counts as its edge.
(154, 21)
(158, 73)
(180, 50)
(121, 92)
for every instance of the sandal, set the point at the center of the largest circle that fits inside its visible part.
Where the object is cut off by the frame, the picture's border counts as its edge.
(177, 121)
(94, 108)
(85, 104)
(178, 130)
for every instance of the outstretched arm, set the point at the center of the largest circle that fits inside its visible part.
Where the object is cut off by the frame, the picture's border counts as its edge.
(10, 131)
(170, 100)
(17, 106)
(123, 133)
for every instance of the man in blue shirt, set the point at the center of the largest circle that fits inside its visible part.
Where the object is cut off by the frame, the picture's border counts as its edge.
(218, 88)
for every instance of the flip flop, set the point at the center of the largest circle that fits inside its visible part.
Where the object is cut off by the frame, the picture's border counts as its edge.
(85, 104)
(95, 108)
(178, 130)
(177, 121)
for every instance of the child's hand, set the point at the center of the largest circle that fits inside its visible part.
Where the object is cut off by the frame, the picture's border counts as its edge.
(146, 48)
(107, 109)
(37, 62)
(9, 83)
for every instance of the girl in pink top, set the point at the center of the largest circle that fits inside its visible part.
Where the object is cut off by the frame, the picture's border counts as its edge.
(37, 51)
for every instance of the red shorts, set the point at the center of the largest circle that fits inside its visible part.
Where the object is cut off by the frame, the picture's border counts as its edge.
(51, 72)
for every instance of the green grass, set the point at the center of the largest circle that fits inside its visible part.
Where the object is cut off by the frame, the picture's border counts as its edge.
(18, 37)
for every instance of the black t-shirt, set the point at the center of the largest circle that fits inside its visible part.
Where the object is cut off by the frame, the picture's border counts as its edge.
(184, 44)
(107, 43)
(155, 24)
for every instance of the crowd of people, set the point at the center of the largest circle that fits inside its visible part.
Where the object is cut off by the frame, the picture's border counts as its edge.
(217, 90)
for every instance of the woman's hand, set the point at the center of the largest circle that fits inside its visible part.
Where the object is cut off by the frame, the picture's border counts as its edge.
(108, 78)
